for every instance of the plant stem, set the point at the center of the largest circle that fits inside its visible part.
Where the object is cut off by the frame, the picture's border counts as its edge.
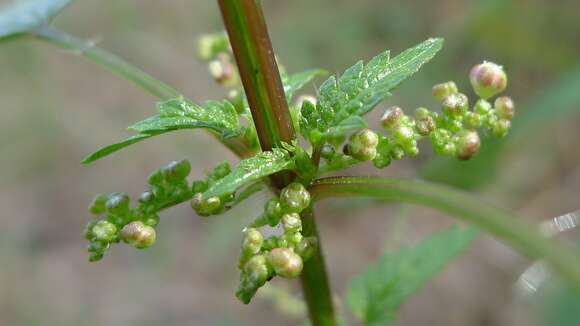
(252, 48)
(497, 222)
(127, 70)
(108, 60)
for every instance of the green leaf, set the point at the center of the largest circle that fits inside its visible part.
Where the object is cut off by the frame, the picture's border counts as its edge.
(375, 295)
(250, 170)
(176, 114)
(361, 88)
(293, 83)
(23, 16)
(107, 150)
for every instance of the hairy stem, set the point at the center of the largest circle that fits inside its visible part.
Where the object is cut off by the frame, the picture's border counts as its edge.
(127, 70)
(108, 60)
(497, 222)
(252, 48)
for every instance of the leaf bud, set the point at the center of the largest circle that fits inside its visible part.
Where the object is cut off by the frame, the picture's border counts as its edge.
(104, 231)
(156, 178)
(221, 170)
(295, 197)
(504, 107)
(138, 235)
(176, 170)
(466, 144)
(118, 203)
(292, 222)
(97, 206)
(146, 197)
(285, 262)
(392, 117)
(488, 79)
(441, 91)
(455, 104)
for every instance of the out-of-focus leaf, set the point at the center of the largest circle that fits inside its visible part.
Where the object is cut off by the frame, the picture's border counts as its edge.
(250, 170)
(22, 16)
(361, 88)
(376, 295)
(558, 100)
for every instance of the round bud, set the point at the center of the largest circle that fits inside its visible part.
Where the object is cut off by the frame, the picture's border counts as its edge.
(302, 98)
(222, 70)
(466, 144)
(403, 134)
(253, 241)
(307, 247)
(504, 107)
(291, 222)
(363, 145)
(104, 231)
(441, 91)
(327, 151)
(118, 203)
(439, 138)
(285, 262)
(381, 161)
(270, 243)
(295, 197)
(392, 117)
(257, 271)
(482, 107)
(273, 211)
(212, 204)
(152, 220)
(422, 113)
(205, 207)
(146, 197)
(501, 127)
(97, 206)
(488, 79)
(138, 235)
(455, 104)
(473, 119)
(425, 126)
(449, 149)
(176, 170)
(397, 153)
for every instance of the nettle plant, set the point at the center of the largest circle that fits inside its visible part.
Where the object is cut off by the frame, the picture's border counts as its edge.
(288, 145)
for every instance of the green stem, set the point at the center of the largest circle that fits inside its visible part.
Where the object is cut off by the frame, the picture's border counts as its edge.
(108, 60)
(252, 48)
(497, 222)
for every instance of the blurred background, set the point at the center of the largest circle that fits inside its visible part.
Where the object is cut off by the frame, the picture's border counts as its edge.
(58, 107)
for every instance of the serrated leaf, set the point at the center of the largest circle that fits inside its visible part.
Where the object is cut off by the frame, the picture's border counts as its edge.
(293, 83)
(176, 114)
(360, 88)
(250, 170)
(22, 16)
(109, 149)
(375, 295)
(353, 122)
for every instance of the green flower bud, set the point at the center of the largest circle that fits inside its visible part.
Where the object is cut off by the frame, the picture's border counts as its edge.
(411, 148)
(466, 144)
(441, 91)
(397, 153)
(152, 220)
(176, 170)
(455, 104)
(97, 206)
(336, 139)
(440, 137)
(392, 117)
(205, 207)
(253, 241)
(257, 271)
(381, 161)
(138, 234)
(222, 170)
(146, 197)
(88, 232)
(403, 134)
(295, 197)
(285, 262)
(270, 243)
(473, 119)
(98, 246)
(425, 126)
(118, 203)
(363, 145)
(501, 127)
(223, 71)
(504, 107)
(292, 222)
(488, 79)
(449, 149)
(95, 256)
(104, 231)
(282, 242)
(307, 247)
(199, 186)
(482, 107)
(292, 238)
(156, 178)
(273, 211)
(327, 152)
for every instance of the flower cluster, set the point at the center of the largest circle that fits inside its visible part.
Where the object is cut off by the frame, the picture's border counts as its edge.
(215, 49)
(282, 255)
(136, 226)
(452, 132)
